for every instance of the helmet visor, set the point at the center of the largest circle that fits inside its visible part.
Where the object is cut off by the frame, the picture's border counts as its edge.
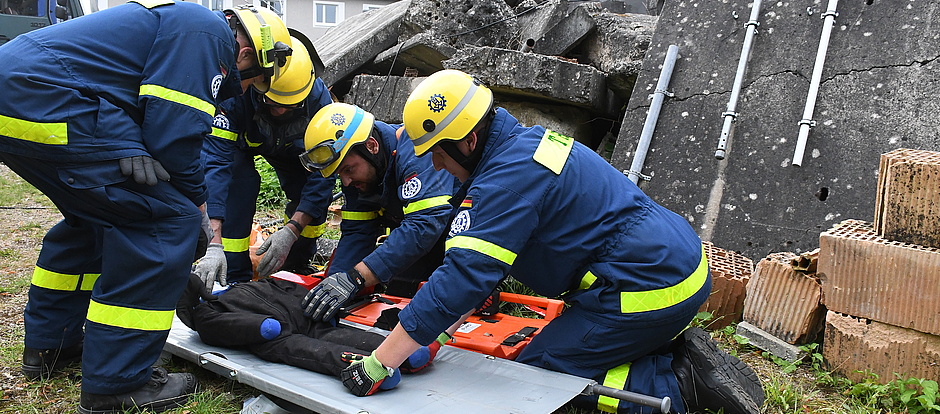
(320, 156)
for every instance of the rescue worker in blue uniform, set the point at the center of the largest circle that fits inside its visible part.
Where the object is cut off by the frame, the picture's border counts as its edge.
(560, 219)
(385, 186)
(106, 115)
(271, 125)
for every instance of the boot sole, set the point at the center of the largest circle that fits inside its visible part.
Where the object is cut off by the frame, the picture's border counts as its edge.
(729, 377)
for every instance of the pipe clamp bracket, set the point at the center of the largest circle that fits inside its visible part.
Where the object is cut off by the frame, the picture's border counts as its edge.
(809, 122)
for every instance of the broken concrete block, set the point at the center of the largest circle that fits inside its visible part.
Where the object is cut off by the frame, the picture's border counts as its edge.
(854, 345)
(868, 276)
(383, 96)
(357, 40)
(730, 275)
(770, 343)
(617, 47)
(534, 76)
(907, 205)
(534, 19)
(784, 302)
(564, 119)
(479, 22)
(566, 34)
(806, 262)
(423, 52)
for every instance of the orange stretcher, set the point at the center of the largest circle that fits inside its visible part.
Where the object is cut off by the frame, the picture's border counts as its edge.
(500, 335)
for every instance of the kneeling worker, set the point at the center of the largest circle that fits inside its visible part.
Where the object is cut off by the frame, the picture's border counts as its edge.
(633, 273)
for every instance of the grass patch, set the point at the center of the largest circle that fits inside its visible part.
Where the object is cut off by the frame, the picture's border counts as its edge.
(17, 192)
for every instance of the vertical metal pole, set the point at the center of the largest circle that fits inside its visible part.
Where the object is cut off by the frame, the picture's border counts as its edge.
(730, 114)
(807, 120)
(642, 147)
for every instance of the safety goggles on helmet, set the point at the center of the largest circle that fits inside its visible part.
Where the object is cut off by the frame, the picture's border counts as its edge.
(332, 131)
(265, 100)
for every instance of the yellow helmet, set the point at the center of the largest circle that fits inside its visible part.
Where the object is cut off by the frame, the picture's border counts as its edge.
(334, 129)
(446, 105)
(296, 80)
(268, 36)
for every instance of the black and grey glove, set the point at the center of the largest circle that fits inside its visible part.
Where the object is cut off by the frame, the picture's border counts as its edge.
(205, 236)
(144, 169)
(326, 298)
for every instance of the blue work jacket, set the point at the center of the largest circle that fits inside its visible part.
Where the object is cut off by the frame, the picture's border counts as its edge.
(412, 200)
(125, 81)
(558, 218)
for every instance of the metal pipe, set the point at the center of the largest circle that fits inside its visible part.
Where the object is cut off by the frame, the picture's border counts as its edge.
(730, 115)
(642, 147)
(664, 403)
(807, 120)
(527, 45)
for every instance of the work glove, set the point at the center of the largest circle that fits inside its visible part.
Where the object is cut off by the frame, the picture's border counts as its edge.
(277, 247)
(205, 236)
(144, 169)
(366, 375)
(326, 298)
(423, 357)
(212, 266)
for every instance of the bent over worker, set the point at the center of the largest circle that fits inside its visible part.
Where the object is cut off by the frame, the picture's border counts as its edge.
(564, 222)
(106, 115)
(270, 124)
(385, 186)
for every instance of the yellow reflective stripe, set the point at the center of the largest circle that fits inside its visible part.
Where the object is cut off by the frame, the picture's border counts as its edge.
(152, 3)
(224, 134)
(236, 245)
(178, 97)
(53, 280)
(632, 302)
(360, 215)
(472, 243)
(312, 232)
(553, 151)
(252, 144)
(52, 133)
(616, 378)
(587, 281)
(419, 205)
(88, 280)
(142, 319)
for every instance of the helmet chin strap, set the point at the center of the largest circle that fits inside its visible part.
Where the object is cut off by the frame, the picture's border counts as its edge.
(377, 160)
(468, 162)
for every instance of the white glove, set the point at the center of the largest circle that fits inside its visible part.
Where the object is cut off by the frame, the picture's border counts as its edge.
(277, 247)
(212, 266)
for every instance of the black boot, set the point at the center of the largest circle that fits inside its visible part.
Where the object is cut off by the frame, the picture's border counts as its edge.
(163, 392)
(43, 363)
(710, 378)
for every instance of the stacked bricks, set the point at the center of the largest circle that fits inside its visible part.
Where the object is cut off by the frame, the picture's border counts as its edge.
(907, 207)
(783, 297)
(730, 274)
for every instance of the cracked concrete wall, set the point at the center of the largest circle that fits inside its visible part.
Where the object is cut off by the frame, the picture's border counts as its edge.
(879, 92)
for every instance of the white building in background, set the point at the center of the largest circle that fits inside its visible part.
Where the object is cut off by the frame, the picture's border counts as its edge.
(311, 17)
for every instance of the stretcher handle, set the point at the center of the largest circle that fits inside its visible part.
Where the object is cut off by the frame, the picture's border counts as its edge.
(664, 403)
(553, 307)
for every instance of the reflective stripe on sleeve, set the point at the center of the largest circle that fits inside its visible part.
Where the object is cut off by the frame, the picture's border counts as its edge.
(312, 232)
(482, 246)
(52, 133)
(178, 97)
(360, 215)
(650, 300)
(236, 245)
(128, 318)
(426, 203)
(224, 134)
(53, 280)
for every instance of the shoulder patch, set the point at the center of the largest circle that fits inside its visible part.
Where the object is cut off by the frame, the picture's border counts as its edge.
(411, 187)
(553, 151)
(461, 222)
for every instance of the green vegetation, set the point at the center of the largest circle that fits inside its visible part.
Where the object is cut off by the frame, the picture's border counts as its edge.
(271, 197)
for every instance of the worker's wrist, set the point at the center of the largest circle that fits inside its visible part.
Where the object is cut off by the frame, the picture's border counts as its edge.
(298, 229)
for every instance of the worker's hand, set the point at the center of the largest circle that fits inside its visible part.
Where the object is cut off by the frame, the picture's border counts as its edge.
(212, 266)
(277, 246)
(366, 375)
(423, 357)
(324, 300)
(145, 170)
(205, 236)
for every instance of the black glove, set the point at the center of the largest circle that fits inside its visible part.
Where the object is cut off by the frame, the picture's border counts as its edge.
(189, 299)
(145, 170)
(205, 236)
(324, 300)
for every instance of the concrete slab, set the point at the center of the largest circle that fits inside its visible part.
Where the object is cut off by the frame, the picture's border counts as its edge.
(383, 96)
(566, 33)
(423, 52)
(617, 46)
(358, 39)
(534, 76)
(478, 22)
(879, 92)
(763, 340)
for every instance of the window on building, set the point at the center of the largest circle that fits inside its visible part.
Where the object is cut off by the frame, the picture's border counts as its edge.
(328, 13)
(277, 6)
